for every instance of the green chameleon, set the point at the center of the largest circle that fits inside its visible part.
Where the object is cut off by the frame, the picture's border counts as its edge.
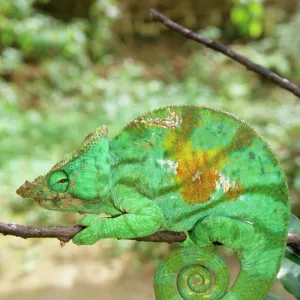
(184, 169)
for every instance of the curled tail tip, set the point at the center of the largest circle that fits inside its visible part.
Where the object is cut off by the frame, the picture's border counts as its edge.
(191, 273)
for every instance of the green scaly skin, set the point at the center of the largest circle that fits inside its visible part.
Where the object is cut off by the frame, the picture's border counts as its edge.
(186, 168)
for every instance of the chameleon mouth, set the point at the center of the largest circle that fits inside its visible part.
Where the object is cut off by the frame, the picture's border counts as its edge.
(53, 204)
(47, 201)
(63, 204)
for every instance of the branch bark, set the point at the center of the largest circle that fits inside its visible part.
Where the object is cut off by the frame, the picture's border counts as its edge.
(66, 233)
(282, 82)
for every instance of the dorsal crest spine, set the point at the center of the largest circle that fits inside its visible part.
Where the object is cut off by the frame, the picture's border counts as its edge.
(90, 140)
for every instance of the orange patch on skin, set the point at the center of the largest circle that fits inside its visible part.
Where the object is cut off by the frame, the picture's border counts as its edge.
(197, 170)
(196, 174)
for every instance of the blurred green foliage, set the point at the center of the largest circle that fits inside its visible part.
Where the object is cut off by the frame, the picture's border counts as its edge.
(247, 16)
(60, 80)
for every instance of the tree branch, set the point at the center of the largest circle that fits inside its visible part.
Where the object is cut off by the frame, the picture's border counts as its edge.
(66, 233)
(282, 82)
(63, 233)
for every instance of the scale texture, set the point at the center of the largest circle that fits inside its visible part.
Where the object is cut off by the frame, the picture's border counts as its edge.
(181, 168)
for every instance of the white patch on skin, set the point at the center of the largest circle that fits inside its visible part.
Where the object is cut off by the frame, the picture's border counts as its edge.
(196, 176)
(168, 165)
(224, 183)
(171, 121)
(248, 222)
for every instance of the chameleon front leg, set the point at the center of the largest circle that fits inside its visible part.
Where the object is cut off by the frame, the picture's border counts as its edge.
(140, 217)
(260, 254)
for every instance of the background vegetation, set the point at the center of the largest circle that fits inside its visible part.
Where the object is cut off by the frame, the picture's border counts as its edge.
(69, 66)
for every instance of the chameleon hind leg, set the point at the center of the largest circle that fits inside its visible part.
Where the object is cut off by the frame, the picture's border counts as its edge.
(260, 254)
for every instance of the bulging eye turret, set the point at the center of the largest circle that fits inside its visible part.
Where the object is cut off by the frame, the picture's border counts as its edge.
(59, 182)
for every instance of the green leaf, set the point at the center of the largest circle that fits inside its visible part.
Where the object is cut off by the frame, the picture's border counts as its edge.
(289, 276)
(291, 255)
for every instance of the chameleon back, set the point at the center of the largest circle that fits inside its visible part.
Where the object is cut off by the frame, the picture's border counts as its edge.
(203, 162)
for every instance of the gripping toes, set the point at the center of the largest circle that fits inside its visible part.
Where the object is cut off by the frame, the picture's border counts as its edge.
(92, 233)
(188, 241)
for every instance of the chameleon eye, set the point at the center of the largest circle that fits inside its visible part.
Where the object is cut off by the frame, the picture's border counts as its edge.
(63, 180)
(59, 182)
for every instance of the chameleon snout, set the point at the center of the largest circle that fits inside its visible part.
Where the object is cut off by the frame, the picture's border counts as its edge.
(30, 189)
(25, 189)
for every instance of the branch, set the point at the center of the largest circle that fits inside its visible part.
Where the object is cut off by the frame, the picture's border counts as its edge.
(283, 82)
(63, 233)
(66, 233)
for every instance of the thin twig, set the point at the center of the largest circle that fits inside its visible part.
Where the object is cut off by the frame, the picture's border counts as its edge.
(66, 233)
(283, 82)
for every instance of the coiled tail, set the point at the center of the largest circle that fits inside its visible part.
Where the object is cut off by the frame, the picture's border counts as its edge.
(191, 273)
(260, 253)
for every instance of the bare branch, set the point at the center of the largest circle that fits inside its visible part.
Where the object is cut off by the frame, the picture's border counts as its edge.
(164, 237)
(282, 82)
(66, 233)
(63, 233)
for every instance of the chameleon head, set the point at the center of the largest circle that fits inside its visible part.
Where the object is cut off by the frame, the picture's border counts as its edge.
(77, 183)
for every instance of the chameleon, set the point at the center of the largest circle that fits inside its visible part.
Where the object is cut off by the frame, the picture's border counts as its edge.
(187, 169)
